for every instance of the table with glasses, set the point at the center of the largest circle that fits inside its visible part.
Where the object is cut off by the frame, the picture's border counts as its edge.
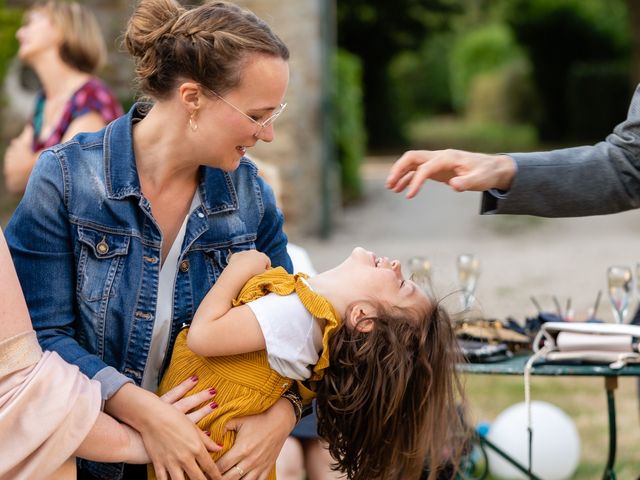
(516, 365)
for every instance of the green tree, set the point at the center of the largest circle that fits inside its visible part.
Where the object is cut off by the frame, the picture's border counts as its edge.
(561, 37)
(376, 31)
(10, 19)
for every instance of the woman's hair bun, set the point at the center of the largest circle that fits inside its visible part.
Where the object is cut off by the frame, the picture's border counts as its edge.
(150, 21)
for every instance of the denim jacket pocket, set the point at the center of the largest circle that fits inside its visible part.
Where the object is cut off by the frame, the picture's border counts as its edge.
(101, 255)
(220, 254)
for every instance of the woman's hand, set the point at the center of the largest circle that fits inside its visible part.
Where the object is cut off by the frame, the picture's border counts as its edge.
(176, 447)
(258, 442)
(176, 397)
(18, 161)
(461, 170)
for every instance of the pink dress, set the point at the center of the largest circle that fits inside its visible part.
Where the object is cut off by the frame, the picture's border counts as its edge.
(47, 408)
(93, 96)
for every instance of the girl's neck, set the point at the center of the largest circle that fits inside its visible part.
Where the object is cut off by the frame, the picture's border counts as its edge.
(59, 80)
(324, 285)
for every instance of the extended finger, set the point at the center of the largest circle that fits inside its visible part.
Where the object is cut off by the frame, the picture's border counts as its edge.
(236, 472)
(161, 473)
(176, 473)
(407, 162)
(179, 391)
(425, 172)
(209, 444)
(208, 466)
(189, 403)
(403, 182)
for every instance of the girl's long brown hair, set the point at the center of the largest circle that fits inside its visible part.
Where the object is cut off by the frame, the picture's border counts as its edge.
(389, 402)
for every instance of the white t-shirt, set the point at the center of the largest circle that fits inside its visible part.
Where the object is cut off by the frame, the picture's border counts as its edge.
(293, 336)
(164, 305)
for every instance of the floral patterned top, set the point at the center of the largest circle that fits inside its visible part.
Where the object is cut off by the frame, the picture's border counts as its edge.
(93, 96)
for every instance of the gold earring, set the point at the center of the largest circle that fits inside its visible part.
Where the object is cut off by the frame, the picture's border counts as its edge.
(193, 125)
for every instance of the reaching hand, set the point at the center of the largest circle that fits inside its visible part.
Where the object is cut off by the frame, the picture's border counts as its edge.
(459, 169)
(258, 442)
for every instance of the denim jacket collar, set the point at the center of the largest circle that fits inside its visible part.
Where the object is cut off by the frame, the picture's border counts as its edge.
(121, 174)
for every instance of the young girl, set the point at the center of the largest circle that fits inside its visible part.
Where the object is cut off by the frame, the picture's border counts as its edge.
(376, 351)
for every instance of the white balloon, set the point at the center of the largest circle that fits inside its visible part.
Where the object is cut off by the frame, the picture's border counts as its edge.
(555, 446)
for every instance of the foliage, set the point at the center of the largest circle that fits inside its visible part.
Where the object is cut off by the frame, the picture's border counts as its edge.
(10, 20)
(437, 133)
(376, 31)
(505, 95)
(481, 50)
(350, 134)
(598, 96)
(420, 80)
(558, 34)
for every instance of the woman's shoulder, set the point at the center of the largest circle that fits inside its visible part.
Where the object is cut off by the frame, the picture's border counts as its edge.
(95, 95)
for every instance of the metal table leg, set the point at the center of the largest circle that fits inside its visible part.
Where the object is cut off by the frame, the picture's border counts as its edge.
(484, 441)
(610, 385)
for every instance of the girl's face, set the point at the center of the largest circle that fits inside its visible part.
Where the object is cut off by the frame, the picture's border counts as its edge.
(368, 276)
(225, 131)
(37, 34)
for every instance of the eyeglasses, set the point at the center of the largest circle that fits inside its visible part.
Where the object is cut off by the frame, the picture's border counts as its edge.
(261, 125)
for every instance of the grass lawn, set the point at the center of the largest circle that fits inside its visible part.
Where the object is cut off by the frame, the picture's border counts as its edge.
(584, 400)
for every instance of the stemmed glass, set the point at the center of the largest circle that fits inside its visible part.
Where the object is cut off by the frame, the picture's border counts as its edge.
(619, 281)
(468, 266)
(420, 270)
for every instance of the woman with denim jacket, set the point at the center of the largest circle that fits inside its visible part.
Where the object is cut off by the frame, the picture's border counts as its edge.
(121, 232)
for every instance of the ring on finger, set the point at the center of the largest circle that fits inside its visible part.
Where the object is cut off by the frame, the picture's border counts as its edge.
(240, 471)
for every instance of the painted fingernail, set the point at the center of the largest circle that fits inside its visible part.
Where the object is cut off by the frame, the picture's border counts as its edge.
(220, 445)
(208, 434)
(212, 391)
(213, 405)
(194, 378)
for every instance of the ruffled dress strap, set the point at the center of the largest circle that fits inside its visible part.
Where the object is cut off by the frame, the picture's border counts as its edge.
(278, 281)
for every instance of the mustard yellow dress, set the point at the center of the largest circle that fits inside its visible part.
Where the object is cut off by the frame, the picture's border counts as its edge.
(246, 384)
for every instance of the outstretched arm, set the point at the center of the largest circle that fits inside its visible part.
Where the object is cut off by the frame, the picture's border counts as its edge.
(217, 327)
(461, 170)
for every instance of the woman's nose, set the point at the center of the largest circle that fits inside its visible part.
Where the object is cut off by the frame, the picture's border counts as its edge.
(266, 134)
(396, 267)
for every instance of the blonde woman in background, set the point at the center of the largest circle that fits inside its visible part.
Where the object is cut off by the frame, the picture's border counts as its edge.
(62, 43)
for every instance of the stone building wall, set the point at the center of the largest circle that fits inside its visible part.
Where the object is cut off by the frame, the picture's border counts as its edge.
(299, 150)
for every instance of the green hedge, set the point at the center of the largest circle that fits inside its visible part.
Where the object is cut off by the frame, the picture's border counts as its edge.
(10, 20)
(349, 130)
(479, 51)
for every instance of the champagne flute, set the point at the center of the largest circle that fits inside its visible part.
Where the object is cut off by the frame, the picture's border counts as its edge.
(420, 269)
(468, 266)
(619, 281)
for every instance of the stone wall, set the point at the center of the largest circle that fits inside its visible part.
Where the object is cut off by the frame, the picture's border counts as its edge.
(299, 150)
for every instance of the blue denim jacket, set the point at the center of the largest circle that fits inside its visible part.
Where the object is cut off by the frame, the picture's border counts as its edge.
(87, 248)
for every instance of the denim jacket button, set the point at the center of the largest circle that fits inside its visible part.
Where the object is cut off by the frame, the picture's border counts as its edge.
(184, 266)
(102, 247)
(200, 215)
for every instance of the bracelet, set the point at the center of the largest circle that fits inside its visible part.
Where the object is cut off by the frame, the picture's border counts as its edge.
(296, 401)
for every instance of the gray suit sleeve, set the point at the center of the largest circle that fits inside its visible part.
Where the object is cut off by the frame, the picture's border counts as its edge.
(590, 180)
